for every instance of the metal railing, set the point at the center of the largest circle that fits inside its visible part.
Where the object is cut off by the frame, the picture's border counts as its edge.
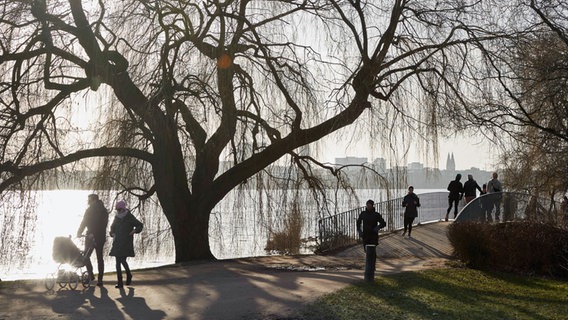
(512, 206)
(340, 230)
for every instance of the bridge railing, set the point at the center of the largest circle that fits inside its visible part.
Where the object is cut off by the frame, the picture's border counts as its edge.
(512, 206)
(340, 230)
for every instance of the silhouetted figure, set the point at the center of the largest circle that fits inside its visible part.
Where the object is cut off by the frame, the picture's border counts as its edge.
(410, 202)
(469, 188)
(368, 225)
(494, 188)
(123, 228)
(456, 192)
(485, 204)
(95, 220)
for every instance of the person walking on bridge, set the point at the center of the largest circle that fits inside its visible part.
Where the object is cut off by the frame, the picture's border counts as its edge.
(410, 202)
(494, 188)
(456, 192)
(368, 225)
(469, 188)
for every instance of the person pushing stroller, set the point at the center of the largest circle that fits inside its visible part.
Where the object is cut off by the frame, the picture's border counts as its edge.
(95, 220)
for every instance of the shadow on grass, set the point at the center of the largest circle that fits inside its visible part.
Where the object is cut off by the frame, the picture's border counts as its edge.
(446, 294)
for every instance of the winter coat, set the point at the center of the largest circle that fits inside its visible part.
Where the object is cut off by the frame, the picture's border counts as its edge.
(96, 221)
(494, 185)
(123, 243)
(456, 190)
(469, 188)
(411, 202)
(372, 221)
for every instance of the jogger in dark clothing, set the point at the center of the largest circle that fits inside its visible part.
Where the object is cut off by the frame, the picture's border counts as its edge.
(456, 192)
(410, 202)
(96, 221)
(371, 222)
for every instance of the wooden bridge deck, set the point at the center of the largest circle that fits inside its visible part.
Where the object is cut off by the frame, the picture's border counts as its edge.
(428, 241)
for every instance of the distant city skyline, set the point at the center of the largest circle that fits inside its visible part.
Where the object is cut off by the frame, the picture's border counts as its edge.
(414, 173)
(449, 164)
(469, 152)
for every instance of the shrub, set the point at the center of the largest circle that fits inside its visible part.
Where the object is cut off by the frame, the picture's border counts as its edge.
(289, 240)
(471, 243)
(334, 242)
(526, 247)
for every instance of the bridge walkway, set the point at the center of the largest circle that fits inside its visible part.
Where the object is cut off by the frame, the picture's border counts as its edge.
(428, 241)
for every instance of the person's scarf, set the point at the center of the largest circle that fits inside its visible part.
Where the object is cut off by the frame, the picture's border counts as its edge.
(122, 214)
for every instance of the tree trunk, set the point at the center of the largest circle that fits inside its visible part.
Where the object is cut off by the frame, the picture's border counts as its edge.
(191, 236)
(188, 217)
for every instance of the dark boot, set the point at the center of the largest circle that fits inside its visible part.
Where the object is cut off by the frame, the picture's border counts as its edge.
(118, 278)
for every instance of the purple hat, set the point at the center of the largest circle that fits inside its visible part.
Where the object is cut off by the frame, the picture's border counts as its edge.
(120, 205)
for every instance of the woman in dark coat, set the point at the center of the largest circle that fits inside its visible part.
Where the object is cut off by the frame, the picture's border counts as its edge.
(123, 228)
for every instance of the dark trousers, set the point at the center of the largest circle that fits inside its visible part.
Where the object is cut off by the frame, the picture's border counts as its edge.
(408, 221)
(100, 259)
(122, 261)
(370, 261)
(497, 206)
(454, 203)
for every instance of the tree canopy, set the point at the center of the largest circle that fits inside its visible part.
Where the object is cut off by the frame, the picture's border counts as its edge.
(186, 100)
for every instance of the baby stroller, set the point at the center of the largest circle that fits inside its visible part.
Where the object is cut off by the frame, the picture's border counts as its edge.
(71, 262)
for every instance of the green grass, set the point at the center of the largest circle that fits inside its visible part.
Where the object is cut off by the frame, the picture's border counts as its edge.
(453, 293)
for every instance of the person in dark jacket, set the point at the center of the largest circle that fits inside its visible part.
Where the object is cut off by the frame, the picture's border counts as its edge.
(495, 186)
(485, 204)
(456, 192)
(369, 223)
(95, 220)
(122, 229)
(469, 188)
(410, 202)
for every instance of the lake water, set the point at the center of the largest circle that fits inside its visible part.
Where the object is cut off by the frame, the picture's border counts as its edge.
(27, 234)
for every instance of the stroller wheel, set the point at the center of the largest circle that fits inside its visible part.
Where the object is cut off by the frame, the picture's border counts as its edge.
(85, 279)
(50, 281)
(73, 280)
(62, 281)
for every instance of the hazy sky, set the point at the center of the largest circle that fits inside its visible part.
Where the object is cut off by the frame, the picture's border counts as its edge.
(468, 152)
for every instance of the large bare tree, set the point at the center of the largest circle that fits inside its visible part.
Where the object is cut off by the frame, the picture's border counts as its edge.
(189, 99)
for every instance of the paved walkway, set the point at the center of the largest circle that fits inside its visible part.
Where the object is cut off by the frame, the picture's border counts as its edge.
(254, 288)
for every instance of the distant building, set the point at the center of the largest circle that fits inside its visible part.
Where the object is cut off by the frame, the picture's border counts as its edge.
(415, 166)
(380, 164)
(350, 161)
(451, 163)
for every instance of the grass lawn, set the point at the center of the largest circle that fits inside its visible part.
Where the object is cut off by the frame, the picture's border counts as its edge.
(452, 293)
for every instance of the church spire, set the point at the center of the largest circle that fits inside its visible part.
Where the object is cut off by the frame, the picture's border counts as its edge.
(451, 162)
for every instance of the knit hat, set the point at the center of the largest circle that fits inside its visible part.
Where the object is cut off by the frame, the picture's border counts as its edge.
(120, 205)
